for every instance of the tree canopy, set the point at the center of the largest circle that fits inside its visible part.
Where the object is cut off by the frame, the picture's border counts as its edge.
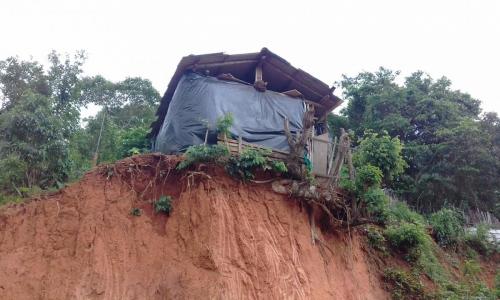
(450, 148)
(43, 142)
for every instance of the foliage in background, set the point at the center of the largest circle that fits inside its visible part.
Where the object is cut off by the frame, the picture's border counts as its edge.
(451, 149)
(478, 239)
(13, 173)
(134, 141)
(42, 142)
(32, 132)
(449, 159)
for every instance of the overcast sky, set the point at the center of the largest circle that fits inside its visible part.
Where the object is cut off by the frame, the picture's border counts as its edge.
(455, 38)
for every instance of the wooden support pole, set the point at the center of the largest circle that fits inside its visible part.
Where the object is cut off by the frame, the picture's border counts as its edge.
(344, 145)
(332, 157)
(258, 72)
(259, 83)
(349, 162)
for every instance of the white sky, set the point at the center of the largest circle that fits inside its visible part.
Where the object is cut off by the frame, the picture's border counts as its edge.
(456, 38)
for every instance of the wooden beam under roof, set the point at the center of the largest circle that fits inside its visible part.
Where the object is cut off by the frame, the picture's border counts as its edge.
(198, 66)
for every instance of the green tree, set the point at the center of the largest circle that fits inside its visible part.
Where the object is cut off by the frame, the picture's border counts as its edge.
(31, 131)
(451, 150)
(17, 77)
(128, 105)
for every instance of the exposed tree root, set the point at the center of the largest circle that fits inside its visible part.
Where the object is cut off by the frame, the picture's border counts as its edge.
(334, 205)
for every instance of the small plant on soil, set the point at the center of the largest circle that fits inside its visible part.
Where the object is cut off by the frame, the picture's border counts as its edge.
(163, 205)
(279, 166)
(135, 211)
(376, 240)
(203, 154)
(224, 124)
(244, 165)
(404, 285)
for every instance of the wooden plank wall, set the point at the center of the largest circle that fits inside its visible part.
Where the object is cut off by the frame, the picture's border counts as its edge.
(320, 156)
(320, 152)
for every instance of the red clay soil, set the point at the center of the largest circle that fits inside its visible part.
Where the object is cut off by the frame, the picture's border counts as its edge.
(223, 240)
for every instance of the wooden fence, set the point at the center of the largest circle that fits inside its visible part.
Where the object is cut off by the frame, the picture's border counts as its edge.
(320, 148)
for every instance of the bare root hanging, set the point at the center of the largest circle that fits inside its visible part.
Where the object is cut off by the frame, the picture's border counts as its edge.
(297, 144)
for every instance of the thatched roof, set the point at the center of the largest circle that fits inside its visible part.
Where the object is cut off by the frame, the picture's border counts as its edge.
(280, 75)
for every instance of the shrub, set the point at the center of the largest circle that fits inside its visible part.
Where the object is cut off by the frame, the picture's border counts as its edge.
(203, 153)
(404, 285)
(279, 166)
(406, 236)
(447, 225)
(367, 177)
(376, 204)
(224, 124)
(471, 269)
(164, 204)
(400, 212)
(471, 290)
(134, 141)
(347, 185)
(416, 244)
(244, 165)
(382, 151)
(376, 240)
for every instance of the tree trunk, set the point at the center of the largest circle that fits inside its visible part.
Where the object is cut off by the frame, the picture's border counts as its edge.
(297, 144)
(96, 154)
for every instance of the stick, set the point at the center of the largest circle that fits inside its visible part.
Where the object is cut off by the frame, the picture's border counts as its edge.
(96, 154)
(206, 137)
(332, 156)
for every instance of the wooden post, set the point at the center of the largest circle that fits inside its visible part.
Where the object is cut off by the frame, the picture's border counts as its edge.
(344, 144)
(96, 153)
(259, 83)
(239, 144)
(349, 161)
(258, 72)
(332, 157)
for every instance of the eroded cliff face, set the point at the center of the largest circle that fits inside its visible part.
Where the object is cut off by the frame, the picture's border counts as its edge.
(223, 240)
